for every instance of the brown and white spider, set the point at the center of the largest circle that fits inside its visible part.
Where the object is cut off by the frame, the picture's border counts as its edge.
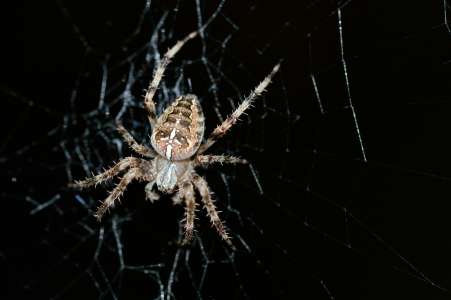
(177, 149)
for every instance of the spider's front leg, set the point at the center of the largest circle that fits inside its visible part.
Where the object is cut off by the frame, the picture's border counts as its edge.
(205, 160)
(134, 173)
(187, 192)
(158, 75)
(110, 173)
(222, 129)
(209, 205)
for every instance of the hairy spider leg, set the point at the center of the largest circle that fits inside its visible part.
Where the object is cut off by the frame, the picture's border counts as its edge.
(138, 148)
(108, 174)
(134, 173)
(190, 211)
(158, 75)
(222, 129)
(210, 207)
(205, 160)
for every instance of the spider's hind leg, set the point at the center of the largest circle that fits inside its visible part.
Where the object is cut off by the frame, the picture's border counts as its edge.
(158, 75)
(138, 148)
(225, 126)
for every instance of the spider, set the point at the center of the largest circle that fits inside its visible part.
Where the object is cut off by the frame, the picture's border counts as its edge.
(176, 151)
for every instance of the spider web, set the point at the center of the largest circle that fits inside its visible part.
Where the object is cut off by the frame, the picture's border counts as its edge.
(346, 193)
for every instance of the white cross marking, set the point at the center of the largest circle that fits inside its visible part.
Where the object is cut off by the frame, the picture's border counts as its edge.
(173, 132)
(169, 151)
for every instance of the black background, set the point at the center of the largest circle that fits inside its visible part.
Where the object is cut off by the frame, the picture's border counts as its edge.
(378, 229)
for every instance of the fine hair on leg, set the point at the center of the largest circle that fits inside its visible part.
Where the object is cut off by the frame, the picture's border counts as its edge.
(138, 148)
(206, 160)
(222, 129)
(204, 191)
(134, 173)
(108, 174)
(190, 211)
(149, 103)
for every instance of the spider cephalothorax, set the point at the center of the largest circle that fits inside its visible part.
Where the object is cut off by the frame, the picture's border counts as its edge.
(177, 149)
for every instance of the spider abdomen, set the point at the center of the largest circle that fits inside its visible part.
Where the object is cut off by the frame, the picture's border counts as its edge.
(179, 130)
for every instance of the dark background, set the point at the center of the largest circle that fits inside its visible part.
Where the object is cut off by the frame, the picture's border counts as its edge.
(330, 225)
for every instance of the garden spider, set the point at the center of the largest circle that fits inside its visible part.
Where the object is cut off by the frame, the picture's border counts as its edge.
(176, 151)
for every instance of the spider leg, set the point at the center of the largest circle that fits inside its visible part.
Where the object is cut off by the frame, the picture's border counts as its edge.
(134, 173)
(210, 207)
(138, 148)
(102, 177)
(222, 129)
(190, 211)
(158, 75)
(205, 160)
